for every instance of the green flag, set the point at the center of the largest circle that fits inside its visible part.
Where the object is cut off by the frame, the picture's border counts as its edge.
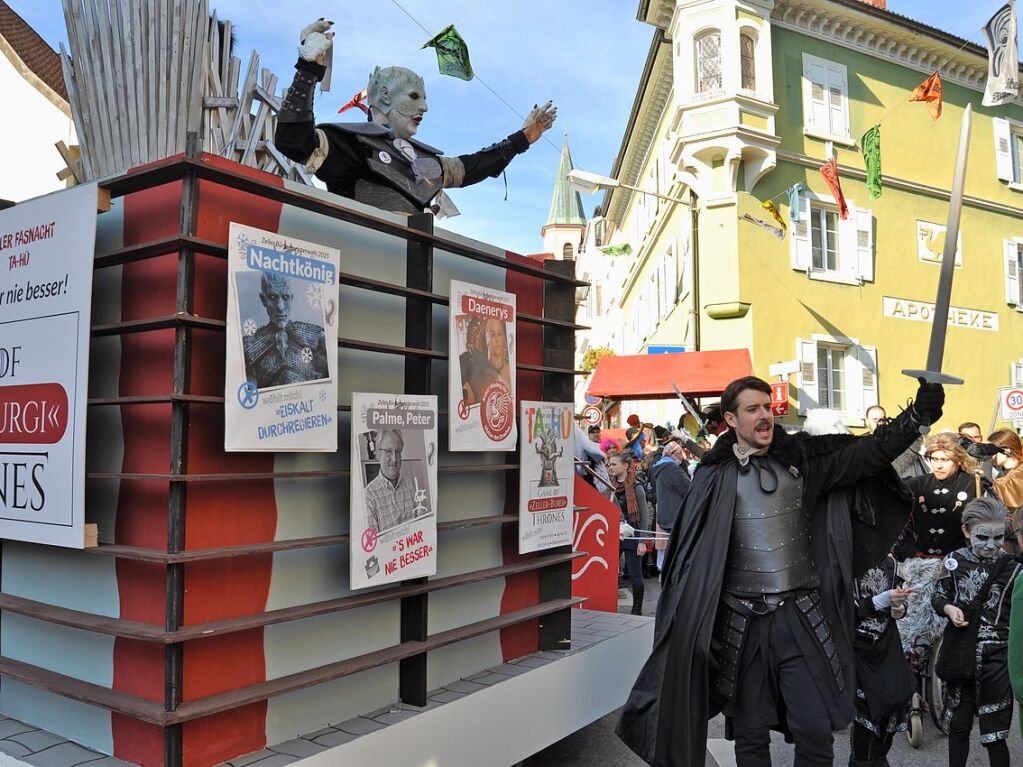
(452, 53)
(871, 145)
(625, 249)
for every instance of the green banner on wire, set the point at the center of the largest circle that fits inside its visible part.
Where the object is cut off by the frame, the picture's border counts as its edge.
(871, 145)
(452, 53)
(617, 250)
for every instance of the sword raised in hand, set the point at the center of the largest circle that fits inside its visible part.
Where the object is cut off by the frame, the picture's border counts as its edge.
(936, 350)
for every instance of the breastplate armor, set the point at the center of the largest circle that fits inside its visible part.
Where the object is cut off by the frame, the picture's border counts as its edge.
(392, 185)
(769, 552)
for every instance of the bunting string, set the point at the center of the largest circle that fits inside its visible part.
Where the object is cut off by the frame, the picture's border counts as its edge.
(928, 91)
(476, 76)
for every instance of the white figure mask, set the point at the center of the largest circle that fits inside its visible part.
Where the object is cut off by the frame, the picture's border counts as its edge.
(397, 99)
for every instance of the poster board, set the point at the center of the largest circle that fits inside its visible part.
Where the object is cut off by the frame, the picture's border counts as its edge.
(47, 247)
(393, 488)
(280, 386)
(481, 380)
(546, 475)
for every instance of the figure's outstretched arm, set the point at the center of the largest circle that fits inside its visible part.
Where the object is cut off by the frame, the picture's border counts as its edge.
(297, 136)
(871, 454)
(468, 169)
(296, 129)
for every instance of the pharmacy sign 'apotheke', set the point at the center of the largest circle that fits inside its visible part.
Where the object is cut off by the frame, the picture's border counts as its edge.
(922, 311)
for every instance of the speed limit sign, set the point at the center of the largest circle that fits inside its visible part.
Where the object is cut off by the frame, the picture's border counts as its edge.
(1011, 399)
(592, 415)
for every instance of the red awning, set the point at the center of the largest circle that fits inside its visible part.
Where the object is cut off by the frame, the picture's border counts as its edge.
(650, 376)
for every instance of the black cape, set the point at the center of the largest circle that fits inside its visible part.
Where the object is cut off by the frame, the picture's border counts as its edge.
(665, 717)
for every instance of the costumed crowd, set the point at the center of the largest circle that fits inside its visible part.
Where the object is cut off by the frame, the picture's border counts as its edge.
(817, 582)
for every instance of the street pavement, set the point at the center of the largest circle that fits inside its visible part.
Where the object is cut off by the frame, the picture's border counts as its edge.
(598, 746)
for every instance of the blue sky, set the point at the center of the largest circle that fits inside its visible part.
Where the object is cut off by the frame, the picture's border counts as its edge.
(586, 55)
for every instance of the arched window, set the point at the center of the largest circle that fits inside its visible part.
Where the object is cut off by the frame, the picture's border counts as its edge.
(748, 61)
(567, 252)
(708, 62)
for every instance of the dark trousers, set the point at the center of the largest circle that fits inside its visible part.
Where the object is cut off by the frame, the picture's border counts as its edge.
(774, 671)
(866, 748)
(634, 569)
(959, 734)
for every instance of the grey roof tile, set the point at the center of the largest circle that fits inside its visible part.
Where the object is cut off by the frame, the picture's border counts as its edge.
(447, 696)
(246, 759)
(359, 726)
(299, 747)
(10, 727)
(37, 740)
(335, 738)
(63, 755)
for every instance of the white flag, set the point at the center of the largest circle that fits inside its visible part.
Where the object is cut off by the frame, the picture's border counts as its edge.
(1003, 63)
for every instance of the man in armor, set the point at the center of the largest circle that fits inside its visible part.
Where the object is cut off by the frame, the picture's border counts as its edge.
(379, 162)
(281, 351)
(755, 618)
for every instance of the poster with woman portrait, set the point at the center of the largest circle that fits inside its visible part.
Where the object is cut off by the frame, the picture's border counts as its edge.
(481, 372)
(394, 488)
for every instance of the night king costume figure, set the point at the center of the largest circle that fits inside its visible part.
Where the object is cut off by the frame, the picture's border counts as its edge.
(756, 616)
(283, 352)
(378, 162)
(977, 588)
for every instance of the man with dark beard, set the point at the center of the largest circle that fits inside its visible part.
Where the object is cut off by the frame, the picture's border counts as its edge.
(755, 618)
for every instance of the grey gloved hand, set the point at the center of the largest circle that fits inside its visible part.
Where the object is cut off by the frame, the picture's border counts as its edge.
(316, 41)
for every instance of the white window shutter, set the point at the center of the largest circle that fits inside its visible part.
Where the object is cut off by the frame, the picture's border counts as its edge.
(802, 253)
(864, 242)
(868, 362)
(806, 353)
(1012, 275)
(815, 96)
(1003, 149)
(838, 100)
(848, 253)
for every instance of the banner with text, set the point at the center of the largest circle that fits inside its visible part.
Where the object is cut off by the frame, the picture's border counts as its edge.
(280, 387)
(48, 246)
(394, 488)
(546, 474)
(481, 369)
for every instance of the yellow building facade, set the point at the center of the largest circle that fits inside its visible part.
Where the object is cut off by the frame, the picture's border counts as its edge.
(739, 101)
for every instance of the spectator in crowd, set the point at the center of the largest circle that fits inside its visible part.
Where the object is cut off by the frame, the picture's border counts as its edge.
(594, 434)
(634, 439)
(973, 592)
(591, 463)
(671, 480)
(1008, 483)
(874, 416)
(635, 517)
(911, 463)
(971, 431)
(933, 532)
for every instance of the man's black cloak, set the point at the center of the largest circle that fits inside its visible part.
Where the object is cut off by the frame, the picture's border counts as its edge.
(665, 717)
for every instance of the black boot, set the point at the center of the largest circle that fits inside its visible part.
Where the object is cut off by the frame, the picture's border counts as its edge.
(637, 598)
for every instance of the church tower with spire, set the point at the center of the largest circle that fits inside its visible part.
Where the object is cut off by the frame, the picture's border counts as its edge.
(566, 223)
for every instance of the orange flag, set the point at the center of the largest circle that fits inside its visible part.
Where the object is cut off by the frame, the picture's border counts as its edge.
(930, 91)
(830, 172)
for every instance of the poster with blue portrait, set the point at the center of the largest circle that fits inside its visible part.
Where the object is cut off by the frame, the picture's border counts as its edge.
(280, 383)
